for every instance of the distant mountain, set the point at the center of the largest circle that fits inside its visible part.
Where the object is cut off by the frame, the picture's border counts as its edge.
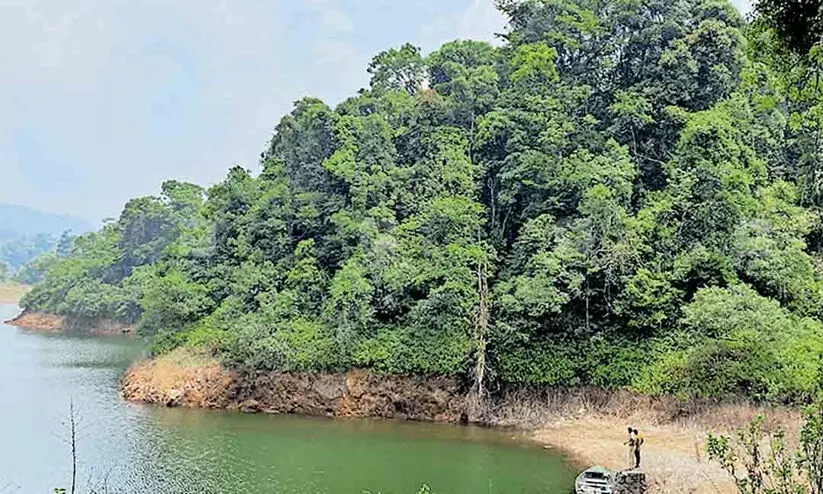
(26, 233)
(19, 221)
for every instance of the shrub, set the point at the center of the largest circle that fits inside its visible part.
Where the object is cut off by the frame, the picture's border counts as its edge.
(734, 341)
(771, 463)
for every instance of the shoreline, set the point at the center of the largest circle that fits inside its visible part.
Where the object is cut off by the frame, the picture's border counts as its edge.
(192, 380)
(673, 457)
(587, 425)
(41, 321)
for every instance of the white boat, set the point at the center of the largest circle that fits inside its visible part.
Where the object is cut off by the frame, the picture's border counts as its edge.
(596, 480)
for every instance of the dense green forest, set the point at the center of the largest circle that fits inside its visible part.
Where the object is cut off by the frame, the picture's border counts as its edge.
(623, 194)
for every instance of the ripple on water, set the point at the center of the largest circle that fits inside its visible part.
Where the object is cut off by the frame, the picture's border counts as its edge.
(155, 450)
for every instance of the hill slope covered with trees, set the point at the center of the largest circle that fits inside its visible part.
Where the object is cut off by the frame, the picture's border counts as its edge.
(624, 194)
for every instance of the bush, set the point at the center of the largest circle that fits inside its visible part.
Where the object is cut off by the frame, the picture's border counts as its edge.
(416, 351)
(771, 463)
(734, 341)
(296, 345)
(549, 363)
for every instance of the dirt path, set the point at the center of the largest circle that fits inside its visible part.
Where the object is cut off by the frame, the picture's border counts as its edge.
(673, 457)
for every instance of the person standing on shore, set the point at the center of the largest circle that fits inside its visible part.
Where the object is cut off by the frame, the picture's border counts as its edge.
(631, 443)
(638, 442)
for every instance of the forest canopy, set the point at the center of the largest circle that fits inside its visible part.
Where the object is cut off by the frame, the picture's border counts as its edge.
(622, 193)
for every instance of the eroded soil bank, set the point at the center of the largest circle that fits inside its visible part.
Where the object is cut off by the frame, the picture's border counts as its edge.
(588, 424)
(40, 321)
(187, 380)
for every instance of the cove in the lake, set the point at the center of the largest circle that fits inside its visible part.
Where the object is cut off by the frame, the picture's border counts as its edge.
(143, 449)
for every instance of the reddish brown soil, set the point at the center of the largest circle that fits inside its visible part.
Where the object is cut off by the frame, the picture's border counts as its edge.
(40, 321)
(183, 379)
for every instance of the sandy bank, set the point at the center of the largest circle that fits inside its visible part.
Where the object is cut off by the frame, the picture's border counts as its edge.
(588, 424)
(11, 293)
(673, 458)
(40, 321)
(674, 455)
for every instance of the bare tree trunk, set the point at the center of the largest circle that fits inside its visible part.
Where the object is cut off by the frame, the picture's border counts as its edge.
(587, 304)
(481, 327)
(73, 431)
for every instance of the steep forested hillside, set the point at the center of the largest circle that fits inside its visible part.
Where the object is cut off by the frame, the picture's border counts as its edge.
(623, 194)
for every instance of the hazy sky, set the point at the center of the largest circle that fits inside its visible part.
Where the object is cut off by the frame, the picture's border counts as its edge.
(102, 100)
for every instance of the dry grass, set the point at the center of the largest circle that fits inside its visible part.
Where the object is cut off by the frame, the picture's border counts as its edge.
(11, 293)
(590, 425)
(187, 357)
(182, 378)
(534, 408)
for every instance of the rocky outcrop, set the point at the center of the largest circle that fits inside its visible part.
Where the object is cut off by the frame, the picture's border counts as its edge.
(630, 482)
(41, 321)
(181, 379)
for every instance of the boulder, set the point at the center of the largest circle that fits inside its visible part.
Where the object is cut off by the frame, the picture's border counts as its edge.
(630, 482)
(250, 406)
(173, 398)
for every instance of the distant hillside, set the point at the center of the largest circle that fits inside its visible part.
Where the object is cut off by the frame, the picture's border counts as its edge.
(26, 233)
(19, 221)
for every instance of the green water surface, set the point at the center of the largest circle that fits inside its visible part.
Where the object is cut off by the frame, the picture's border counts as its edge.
(139, 449)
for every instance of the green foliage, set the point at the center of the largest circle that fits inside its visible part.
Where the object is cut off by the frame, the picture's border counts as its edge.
(799, 23)
(400, 68)
(649, 300)
(91, 276)
(296, 345)
(623, 194)
(535, 63)
(768, 469)
(416, 350)
(768, 462)
(810, 456)
(735, 340)
(170, 302)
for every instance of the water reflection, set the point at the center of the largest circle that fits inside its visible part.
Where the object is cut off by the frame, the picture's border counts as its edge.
(152, 450)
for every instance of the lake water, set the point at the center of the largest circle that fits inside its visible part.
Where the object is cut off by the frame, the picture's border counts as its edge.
(139, 449)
